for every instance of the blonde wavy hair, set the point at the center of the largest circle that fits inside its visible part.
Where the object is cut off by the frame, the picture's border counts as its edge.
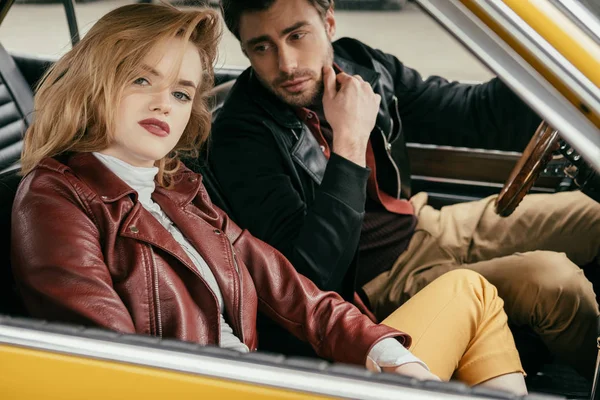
(76, 100)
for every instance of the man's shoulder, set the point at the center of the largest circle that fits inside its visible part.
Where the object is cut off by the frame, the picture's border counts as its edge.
(348, 44)
(239, 102)
(354, 50)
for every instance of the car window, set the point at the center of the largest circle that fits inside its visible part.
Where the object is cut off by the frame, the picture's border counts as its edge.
(585, 13)
(592, 6)
(40, 27)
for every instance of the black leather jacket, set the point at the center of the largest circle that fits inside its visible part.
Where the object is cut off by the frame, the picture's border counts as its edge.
(282, 188)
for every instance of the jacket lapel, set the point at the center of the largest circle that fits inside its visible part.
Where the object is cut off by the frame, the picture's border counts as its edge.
(142, 226)
(139, 224)
(212, 244)
(308, 155)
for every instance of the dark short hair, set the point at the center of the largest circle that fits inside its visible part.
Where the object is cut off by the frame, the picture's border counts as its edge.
(233, 9)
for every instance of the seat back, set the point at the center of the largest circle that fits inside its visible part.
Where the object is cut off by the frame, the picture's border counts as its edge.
(217, 97)
(16, 114)
(16, 110)
(10, 302)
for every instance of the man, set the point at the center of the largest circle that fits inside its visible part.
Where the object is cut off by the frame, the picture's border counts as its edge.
(309, 151)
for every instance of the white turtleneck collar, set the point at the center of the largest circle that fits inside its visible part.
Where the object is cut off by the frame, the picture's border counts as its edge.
(141, 179)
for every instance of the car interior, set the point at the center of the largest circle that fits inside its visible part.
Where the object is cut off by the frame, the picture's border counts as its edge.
(475, 173)
(16, 106)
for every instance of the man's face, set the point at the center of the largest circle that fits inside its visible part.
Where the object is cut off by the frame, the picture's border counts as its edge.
(288, 45)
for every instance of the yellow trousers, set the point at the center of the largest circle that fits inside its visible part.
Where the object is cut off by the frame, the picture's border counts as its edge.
(459, 328)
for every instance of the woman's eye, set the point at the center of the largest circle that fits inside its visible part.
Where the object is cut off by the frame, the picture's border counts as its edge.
(141, 81)
(182, 96)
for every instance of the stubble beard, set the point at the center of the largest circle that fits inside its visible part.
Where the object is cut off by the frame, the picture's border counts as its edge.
(310, 96)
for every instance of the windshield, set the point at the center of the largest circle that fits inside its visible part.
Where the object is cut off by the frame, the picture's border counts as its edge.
(398, 27)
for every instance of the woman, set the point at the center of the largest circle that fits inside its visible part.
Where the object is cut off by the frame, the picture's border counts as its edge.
(136, 245)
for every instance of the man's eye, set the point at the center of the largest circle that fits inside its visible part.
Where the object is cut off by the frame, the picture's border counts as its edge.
(261, 48)
(298, 35)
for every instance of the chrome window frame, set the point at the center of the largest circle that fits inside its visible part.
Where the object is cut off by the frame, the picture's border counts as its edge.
(521, 77)
(582, 16)
(202, 363)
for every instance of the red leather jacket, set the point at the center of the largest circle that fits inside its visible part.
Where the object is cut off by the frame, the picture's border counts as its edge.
(84, 250)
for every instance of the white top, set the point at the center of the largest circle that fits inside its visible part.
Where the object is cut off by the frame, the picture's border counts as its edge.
(386, 353)
(141, 179)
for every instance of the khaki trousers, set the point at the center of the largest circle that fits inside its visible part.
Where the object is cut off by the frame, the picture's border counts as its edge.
(531, 257)
(459, 328)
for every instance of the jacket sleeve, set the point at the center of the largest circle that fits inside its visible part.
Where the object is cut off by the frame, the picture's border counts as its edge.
(435, 111)
(319, 239)
(57, 259)
(334, 328)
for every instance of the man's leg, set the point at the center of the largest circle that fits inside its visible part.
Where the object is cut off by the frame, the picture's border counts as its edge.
(471, 233)
(547, 292)
(459, 329)
(563, 222)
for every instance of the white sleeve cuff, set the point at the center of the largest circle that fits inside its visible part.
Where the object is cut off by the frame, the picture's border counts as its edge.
(390, 353)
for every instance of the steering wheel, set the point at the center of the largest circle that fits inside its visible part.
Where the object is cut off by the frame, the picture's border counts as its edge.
(536, 156)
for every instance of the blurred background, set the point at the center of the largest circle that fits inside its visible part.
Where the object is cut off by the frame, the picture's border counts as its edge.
(398, 27)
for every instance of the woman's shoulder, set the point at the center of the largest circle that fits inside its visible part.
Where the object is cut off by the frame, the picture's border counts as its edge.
(52, 176)
(48, 168)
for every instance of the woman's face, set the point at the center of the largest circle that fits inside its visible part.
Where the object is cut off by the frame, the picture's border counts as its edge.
(155, 109)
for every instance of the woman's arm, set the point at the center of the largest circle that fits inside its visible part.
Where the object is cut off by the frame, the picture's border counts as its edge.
(57, 259)
(335, 329)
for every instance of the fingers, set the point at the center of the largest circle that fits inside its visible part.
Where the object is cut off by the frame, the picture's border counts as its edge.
(346, 80)
(356, 85)
(343, 78)
(329, 80)
(342, 82)
(378, 99)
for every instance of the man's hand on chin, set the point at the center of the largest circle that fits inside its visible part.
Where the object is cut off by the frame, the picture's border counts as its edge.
(351, 108)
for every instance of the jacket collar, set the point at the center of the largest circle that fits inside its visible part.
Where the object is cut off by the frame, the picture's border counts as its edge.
(284, 114)
(111, 188)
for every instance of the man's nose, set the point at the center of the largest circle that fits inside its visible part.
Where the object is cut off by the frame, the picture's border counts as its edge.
(288, 62)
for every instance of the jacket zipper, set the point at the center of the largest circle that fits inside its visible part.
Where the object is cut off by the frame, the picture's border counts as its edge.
(294, 133)
(156, 293)
(395, 100)
(388, 151)
(235, 264)
(198, 272)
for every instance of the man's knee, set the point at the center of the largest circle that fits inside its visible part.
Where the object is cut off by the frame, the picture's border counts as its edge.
(549, 271)
(554, 284)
